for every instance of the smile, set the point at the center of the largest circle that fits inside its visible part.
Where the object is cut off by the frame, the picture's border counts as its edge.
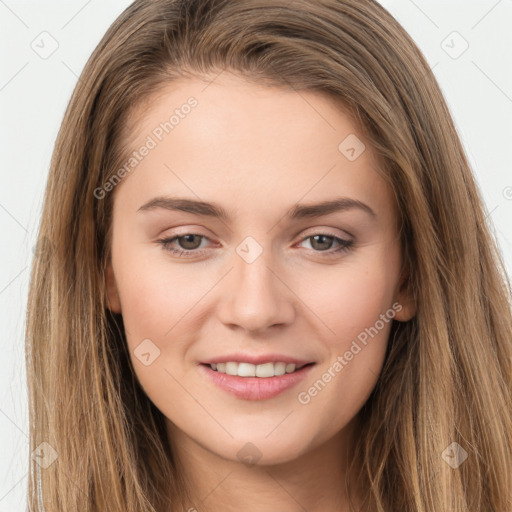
(264, 370)
(248, 381)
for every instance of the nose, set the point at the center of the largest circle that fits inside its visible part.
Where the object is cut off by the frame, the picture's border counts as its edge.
(255, 297)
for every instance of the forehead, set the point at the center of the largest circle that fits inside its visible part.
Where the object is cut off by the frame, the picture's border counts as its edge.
(229, 101)
(248, 141)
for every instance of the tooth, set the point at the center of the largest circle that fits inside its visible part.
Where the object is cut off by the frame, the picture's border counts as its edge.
(232, 368)
(279, 368)
(290, 368)
(246, 370)
(265, 370)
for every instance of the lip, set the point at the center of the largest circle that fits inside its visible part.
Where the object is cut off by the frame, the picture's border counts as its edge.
(257, 359)
(255, 388)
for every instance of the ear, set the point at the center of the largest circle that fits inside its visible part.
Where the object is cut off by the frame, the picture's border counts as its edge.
(405, 298)
(113, 302)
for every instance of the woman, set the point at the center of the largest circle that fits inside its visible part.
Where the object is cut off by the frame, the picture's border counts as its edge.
(192, 344)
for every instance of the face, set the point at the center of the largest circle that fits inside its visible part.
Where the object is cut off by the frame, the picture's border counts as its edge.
(255, 229)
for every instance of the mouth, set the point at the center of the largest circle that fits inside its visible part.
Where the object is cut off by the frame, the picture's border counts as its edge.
(262, 371)
(249, 381)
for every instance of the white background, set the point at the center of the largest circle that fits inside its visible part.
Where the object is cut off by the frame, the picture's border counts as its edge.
(34, 93)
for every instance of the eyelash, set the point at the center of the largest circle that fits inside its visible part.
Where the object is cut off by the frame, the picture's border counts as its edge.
(346, 245)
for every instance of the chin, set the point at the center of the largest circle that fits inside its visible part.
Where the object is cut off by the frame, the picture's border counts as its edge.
(258, 451)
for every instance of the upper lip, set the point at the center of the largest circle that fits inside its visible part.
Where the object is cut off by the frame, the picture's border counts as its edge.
(257, 359)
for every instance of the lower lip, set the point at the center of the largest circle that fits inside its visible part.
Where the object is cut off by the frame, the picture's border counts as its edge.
(255, 388)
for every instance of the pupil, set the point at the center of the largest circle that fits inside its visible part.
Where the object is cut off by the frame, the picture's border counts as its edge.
(322, 238)
(188, 239)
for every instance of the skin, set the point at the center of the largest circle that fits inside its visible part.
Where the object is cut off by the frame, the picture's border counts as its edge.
(256, 151)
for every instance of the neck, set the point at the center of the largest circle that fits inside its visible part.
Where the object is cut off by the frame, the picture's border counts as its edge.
(315, 481)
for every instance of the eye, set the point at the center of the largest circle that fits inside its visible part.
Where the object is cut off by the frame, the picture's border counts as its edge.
(189, 243)
(322, 242)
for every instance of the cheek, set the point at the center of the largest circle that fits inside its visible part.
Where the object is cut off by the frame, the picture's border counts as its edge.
(157, 307)
(146, 303)
(357, 308)
(352, 298)
(154, 296)
(151, 309)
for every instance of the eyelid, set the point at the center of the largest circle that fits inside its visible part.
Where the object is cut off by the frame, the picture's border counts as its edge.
(188, 230)
(326, 231)
(345, 244)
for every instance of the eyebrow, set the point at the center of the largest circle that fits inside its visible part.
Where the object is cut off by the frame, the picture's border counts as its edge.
(298, 211)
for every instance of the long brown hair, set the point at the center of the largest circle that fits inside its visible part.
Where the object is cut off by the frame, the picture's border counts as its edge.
(447, 376)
